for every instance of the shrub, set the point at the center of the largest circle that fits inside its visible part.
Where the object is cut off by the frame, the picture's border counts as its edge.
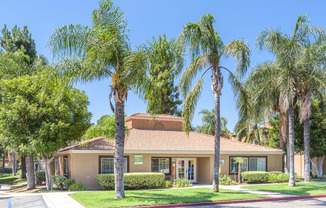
(278, 177)
(226, 180)
(40, 177)
(7, 170)
(181, 182)
(132, 180)
(77, 187)
(58, 181)
(255, 176)
(68, 182)
(167, 184)
(19, 172)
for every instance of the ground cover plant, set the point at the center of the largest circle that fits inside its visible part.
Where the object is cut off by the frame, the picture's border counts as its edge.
(101, 199)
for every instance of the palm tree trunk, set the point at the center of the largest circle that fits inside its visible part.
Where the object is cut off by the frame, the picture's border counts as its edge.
(287, 147)
(282, 126)
(23, 163)
(216, 174)
(306, 149)
(290, 151)
(119, 148)
(30, 172)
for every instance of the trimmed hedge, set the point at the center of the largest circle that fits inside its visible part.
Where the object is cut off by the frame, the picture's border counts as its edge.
(255, 176)
(40, 177)
(132, 180)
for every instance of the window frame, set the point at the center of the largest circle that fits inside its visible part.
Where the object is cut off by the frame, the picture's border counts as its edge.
(65, 158)
(56, 167)
(100, 157)
(230, 157)
(170, 164)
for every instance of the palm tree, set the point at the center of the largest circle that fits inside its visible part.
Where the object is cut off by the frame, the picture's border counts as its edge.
(313, 61)
(99, 52)
(207, 50)
(208, 126)
(286, 73)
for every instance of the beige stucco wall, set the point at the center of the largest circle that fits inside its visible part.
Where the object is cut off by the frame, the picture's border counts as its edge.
(84, 167)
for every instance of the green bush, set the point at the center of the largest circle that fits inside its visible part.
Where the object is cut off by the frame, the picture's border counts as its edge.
(167, 184)
(40, 177)
(255, 176)
(68, 182)
(226, 180)
(58, 181)
(132, 180)
(181, 182)
(77, 187)
(278, 177)
(19, 172)
(7, 170)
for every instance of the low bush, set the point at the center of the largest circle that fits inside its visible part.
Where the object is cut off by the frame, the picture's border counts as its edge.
(68, 182)
(40, 177)
(77, 187)
(278, 177)
(7, 170)
(167, 184)
(132, 180)
(226, 180)
(181, 182)
(58, 181)
(255, 176)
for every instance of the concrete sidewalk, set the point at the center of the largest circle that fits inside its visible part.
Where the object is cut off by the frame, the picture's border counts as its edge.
(60, 200)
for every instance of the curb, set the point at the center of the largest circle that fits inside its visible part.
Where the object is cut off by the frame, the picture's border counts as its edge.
(237, 201)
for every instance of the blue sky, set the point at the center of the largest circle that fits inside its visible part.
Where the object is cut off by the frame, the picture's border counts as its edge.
(148, 18)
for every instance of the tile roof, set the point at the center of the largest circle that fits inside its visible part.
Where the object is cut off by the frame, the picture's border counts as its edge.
(164, 140)
(153, 116)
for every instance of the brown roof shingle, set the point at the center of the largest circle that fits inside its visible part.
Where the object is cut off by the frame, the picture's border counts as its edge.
(163, 140)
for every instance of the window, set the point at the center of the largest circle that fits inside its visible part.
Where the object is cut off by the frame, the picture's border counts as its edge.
(249, 164)
(107, 165)
(234, 166)
(161, 165)
(65, 166)
(57, 165)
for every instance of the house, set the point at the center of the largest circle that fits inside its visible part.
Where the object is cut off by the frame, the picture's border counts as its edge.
(158, 144)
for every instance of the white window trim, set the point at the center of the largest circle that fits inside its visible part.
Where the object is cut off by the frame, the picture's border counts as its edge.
(163, 158)
(112, 158)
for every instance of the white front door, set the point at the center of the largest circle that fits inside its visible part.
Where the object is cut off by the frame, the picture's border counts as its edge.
(186, 168)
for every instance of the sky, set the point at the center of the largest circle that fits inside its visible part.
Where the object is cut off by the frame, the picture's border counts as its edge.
(147, 18)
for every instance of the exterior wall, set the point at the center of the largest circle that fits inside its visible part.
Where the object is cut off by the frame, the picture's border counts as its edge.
(299, 164)
(204, 170)
(85, 166)
(61, 172)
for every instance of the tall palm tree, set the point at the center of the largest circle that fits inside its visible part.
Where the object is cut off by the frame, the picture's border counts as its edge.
(313, 61)
(207, 50)
(208, 123)
(99, 52)
(287, 50)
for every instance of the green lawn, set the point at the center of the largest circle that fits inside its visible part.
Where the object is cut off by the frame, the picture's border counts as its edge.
(7, 178)
(301, 189)
(101, 199)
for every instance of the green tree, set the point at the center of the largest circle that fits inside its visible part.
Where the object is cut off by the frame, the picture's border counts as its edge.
(100, 52)
(41, 119)
(165, 61)
(17, 39)
(208, 123)
(207, 50)
(286, 72)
